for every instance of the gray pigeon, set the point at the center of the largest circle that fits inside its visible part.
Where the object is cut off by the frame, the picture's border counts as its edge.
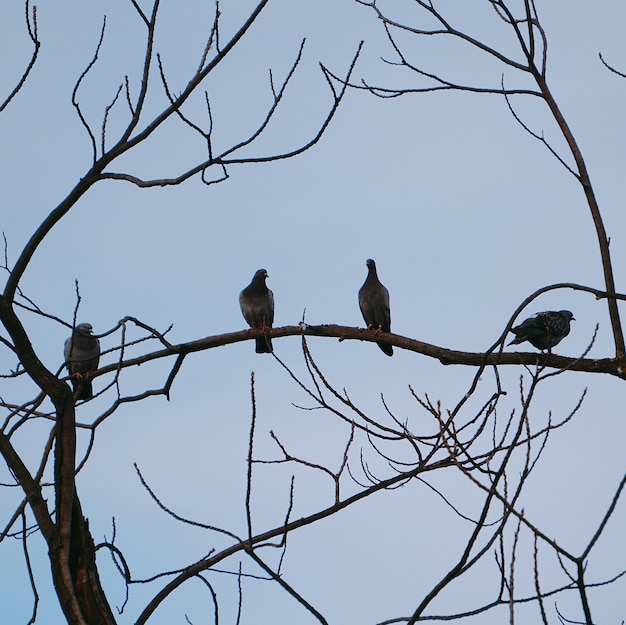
(82, 355)
(544, 330)
(374, 304)
(257, 305)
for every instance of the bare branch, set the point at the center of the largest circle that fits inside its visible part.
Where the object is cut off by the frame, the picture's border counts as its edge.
(250, 455)
(31, 25)
(75, 93)
(289, 589)
(605, 520)
(610, 67)
(141, 13)
(227, 157)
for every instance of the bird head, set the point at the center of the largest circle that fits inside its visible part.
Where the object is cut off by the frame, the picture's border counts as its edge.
(84, 328)
(261, 274)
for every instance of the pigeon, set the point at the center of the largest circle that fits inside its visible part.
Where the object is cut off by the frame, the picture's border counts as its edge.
(544, 330)
(374, 304)
(257, 306)
(82, 355)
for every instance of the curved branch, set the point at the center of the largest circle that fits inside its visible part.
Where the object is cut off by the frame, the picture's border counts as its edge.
(535, 67)
(126, 142)
(585, 181)
(226, 158)
(32, 33)
(447, 30)
(610, 67)
(123, 145)
(31, 488)
(77, 86)
(247, 545)
(343, 333)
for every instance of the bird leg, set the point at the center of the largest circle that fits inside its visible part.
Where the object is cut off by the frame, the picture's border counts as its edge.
(81, 376)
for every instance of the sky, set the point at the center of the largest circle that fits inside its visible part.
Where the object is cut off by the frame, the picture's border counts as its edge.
(464, 213)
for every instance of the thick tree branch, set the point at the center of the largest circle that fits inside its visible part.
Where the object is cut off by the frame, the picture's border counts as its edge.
(246, 545)
(31, 487)
(345, 333)
(585, 181)
(535, 59)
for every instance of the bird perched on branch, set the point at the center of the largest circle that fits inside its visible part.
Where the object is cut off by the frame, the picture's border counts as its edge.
(82, 355)
(374, 305)
(257, 305)
(544, 330)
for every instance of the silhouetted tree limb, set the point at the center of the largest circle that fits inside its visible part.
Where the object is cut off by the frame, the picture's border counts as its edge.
(346, 333)
(528, 34)
(71, 548)
(490, 437)
(31, 26)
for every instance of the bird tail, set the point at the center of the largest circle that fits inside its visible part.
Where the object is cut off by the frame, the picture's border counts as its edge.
(387, 348)
(82, 388)
(264, 345)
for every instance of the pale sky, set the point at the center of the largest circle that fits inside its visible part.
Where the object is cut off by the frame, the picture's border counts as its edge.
(465, 214)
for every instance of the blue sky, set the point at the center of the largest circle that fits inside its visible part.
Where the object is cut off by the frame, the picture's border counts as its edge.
(464, 212)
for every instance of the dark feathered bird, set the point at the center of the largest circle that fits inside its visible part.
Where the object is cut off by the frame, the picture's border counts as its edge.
(374, 304)
(82, 355)
(544, 330)
(257, 305)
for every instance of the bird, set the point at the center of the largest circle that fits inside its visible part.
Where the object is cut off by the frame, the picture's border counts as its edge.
(257, 306)
(544, 330)
(374, 305)
(82, 355)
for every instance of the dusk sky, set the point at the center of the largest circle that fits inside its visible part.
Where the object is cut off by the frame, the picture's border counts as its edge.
(465, 214)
